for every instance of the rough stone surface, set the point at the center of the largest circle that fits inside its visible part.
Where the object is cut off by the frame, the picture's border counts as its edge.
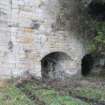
(32, 29)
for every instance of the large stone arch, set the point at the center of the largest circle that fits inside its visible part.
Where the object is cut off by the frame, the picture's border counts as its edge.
(58, 65)
(54, 65)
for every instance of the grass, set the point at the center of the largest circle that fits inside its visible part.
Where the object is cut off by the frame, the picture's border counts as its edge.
(93, 89)
(50, 96)
(10, 95)
(89, 92)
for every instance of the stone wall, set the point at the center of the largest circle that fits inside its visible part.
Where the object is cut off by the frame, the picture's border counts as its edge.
(32, 29)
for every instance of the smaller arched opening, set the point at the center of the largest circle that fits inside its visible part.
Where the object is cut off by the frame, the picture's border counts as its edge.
(97, 10)
(87, 64)
(54, 65)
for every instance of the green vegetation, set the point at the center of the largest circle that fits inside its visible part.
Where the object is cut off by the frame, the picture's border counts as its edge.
(12, 96)
(97, 44)
(31, 93)
(90, 93)
(50, 96)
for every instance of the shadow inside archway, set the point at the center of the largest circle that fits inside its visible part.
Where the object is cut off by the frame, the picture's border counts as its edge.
(53, 66)
(87, 64)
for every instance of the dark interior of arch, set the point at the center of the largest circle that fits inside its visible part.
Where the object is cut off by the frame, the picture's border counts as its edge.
(87, 64)
(97, 10)
(51, 67)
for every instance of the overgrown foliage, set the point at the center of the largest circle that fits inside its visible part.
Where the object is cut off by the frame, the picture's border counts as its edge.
(97, 44)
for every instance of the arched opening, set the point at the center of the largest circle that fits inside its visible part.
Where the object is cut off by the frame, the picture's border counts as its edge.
(87, 64)
(54, 65)
(97, 10)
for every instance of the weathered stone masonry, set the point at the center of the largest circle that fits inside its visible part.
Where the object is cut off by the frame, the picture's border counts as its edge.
(29, 31)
